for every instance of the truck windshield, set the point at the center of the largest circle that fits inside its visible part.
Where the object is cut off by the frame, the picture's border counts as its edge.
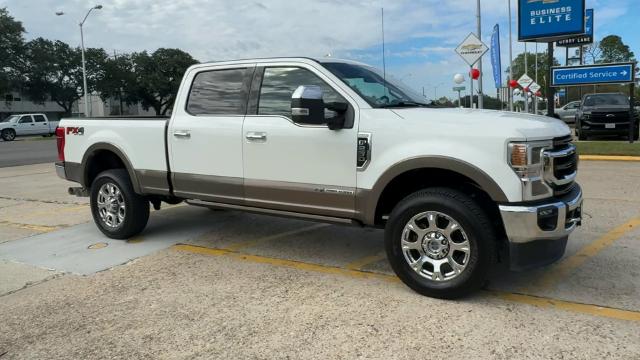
(373, 87)
(10, 119)
(606, 99)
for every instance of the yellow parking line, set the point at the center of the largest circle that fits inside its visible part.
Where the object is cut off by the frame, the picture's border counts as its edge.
(249, 243)
(609, 158)
(362, 262)
(284, 263)
(566, 266)
(38, 228)
(570, 306)
(589, 309)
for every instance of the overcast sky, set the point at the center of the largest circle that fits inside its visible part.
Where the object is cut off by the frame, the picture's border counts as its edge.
(420, 35)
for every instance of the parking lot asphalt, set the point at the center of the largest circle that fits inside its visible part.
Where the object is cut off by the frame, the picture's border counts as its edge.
(27, 151)
(204, 284)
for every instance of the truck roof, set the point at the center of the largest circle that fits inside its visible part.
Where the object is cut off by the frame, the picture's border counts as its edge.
(275, 59)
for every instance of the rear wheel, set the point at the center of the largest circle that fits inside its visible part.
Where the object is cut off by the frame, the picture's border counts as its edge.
(117, 210)
(440, 243)
(8, 134)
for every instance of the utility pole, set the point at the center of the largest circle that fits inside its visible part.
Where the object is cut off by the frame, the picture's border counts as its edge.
(526, 70)
(510, 60)
(535, 101)
(550, 90)
(480, 95)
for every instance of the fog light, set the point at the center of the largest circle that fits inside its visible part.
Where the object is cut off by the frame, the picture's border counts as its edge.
(548, 218)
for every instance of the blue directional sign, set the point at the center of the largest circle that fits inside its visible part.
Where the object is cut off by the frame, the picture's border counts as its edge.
(592, 74)
(549, 20)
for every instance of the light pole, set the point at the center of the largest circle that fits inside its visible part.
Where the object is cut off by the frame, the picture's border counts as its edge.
(435, 91)
(480, 96)
(510, 59)
(84, 67)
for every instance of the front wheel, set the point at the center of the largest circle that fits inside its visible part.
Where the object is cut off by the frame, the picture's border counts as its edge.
(117, 210)
(8, 134)
(440, 243)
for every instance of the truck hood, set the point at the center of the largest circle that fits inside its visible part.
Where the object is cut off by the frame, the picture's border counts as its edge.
(509, 125)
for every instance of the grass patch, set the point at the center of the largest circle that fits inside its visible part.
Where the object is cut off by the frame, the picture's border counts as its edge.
(608, 148)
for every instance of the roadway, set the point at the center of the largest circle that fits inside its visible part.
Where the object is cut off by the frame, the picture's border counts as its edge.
(27, 151)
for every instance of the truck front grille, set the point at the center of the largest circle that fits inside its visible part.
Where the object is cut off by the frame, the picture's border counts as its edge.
(561, 165)
(609, 117)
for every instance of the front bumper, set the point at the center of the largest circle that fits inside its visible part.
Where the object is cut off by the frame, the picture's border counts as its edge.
(538, 232)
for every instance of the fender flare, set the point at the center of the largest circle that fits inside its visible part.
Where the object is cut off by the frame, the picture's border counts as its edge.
(368, 199)
(93, 149)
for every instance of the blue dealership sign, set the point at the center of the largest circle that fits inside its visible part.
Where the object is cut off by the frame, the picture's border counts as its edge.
(495, 56)
(584, 39)
(592, 74)
(549, 20)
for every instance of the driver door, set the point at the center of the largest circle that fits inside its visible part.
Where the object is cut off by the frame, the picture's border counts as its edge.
(25, 126)
(294, 167)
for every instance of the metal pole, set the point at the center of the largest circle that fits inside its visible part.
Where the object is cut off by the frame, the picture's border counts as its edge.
(632, 111)
(459, 99)
(550, 90)
(526, 71)
(510, 60)
(535, 102)
(480, 95)
(84, 74)
(471, 97)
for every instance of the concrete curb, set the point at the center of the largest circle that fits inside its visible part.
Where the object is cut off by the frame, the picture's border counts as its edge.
(609, 158)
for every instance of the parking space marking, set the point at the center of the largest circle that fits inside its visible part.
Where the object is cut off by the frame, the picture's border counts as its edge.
(362, 262)
(542, 302)
(566, 266)
(609, 158)
(38, 228)
(570, 306)
(249, 243)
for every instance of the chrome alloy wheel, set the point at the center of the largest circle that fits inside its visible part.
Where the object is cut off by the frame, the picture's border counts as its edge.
(435, 246)
(111, 206)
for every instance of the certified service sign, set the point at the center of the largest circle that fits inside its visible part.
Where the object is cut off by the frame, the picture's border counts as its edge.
(549, 20)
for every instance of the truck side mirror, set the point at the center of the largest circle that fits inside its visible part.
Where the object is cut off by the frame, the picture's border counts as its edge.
(307, 106)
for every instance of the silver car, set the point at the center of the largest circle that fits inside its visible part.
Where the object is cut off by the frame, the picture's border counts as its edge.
(567, 113)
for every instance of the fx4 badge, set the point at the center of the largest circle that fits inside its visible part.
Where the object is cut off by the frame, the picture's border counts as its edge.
(75, 130)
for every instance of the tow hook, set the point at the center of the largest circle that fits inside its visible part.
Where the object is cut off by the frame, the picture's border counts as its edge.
(78, 191)
(156, 204)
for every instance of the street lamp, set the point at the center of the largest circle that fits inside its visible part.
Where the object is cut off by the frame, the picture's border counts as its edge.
(84, 67)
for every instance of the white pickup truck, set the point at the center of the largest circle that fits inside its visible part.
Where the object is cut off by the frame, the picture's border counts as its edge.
(25, 125)
(334, 141)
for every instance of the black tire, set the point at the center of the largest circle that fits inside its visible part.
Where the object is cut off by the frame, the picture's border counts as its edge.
(136, 207)
(8, 134)
(473, 221)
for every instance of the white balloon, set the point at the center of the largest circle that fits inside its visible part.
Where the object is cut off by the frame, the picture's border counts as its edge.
(458, 78)
(517, 92)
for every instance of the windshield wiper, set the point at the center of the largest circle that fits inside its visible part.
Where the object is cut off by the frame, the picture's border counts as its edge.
(403, 104)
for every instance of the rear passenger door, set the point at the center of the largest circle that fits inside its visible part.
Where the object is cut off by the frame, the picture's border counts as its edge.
(205, 134)
(41, 125)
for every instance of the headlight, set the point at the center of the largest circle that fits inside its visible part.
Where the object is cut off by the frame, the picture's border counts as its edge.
(527, 161)
(586, 116)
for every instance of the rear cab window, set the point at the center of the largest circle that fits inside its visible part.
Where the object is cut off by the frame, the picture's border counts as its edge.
(220, 92)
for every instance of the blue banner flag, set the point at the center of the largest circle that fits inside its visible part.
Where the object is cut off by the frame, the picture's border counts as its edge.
(495, 56)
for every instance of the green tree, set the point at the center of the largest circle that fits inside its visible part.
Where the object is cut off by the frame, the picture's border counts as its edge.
(11, 51)
(488, 102)
(614, 50)
(158, 77)
(53, 71)
(117, 79)
(543, 68)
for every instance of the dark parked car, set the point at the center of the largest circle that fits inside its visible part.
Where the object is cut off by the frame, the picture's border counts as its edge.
(604, 114)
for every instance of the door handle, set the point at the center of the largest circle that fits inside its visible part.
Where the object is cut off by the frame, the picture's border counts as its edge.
(256, 136)
(33, 124)
(185, 134)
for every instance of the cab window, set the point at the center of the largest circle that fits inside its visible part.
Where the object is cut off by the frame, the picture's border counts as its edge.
(25, 120)
(279, 83)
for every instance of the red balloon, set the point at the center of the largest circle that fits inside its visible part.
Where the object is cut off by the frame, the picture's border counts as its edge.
(538, 94)
(513, 83)
(475, 74)
(526, 89)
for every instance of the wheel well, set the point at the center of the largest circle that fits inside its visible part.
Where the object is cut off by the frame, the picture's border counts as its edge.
(413, 180)
(99, 161)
